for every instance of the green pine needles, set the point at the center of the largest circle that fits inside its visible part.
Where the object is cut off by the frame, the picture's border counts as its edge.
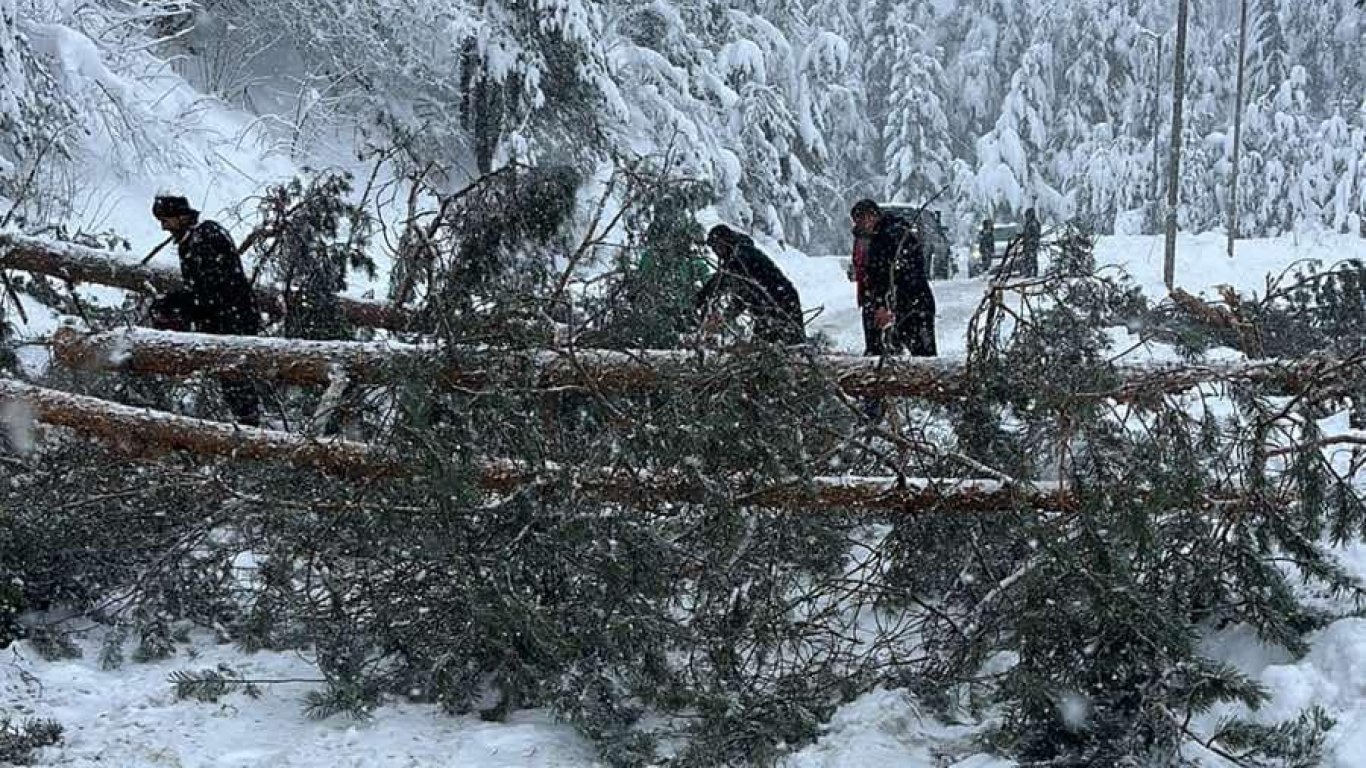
(676, 622)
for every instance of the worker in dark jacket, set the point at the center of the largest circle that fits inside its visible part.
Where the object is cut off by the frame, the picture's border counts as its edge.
(893, 289)
(751, 283)
(1030, 236)
(986, 246)
(216, 298)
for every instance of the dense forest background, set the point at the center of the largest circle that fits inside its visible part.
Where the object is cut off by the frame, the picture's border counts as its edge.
(786, 110)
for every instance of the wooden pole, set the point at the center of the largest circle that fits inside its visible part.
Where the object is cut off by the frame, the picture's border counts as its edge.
(1237, 128)
(1174, 171)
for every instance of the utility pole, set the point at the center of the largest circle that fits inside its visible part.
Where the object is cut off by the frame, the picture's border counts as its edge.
(1237, 129)
(1174, 172)
(1157, 111)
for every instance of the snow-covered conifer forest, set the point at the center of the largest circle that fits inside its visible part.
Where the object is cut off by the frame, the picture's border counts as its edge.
(466, 436)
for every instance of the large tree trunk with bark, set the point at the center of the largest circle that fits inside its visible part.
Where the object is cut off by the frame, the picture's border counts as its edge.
(146, 432)
(79, 264)
(934, 379)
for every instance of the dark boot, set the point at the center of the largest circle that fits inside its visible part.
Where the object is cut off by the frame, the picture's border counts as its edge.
(241, 399)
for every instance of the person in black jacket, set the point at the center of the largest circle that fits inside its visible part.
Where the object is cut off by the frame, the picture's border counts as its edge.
(894, 291)
(986, 246)
(216, 298)
(1030, 235)
(753, 284)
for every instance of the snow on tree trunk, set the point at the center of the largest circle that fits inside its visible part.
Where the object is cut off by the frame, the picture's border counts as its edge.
(152, 433)
(935, 379)
(147, 432)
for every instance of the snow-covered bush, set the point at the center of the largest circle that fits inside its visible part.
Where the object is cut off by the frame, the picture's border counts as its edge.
(18, 742)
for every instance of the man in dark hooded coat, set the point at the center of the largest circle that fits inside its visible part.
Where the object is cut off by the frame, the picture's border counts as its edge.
(217, 296)
(751, 283)
(893, 289)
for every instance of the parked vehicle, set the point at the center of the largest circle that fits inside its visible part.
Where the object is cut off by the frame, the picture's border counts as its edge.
(1003, 232)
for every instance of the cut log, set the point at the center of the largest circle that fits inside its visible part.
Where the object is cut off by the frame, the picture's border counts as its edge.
(297, 361)
(80, 264)
(933, 379)
(148, 432)
(178, 355)
(142, 431)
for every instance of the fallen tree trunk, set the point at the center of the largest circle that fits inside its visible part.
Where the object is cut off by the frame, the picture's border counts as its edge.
(150, 433)
(142, 431)
(298, 361)
(80, 264)
(934, 379)
(293, 361)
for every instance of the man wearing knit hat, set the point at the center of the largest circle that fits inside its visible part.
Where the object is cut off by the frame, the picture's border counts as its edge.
(216, 298)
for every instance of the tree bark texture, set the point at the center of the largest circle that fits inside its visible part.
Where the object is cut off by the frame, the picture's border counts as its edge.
(147, 432)
(937, 380)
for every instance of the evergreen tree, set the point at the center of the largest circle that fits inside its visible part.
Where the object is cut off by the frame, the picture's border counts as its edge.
(1012, 157)
(36, 108)
(535, 81)
(917, 155)
(311, 237)
(832, 92)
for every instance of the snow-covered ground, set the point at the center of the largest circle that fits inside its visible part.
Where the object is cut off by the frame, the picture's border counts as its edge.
(131, 717)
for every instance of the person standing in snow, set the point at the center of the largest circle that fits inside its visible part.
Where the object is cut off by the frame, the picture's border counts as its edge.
(893, 289)
(217, 297)
(748, 281)
(1030, 235)
(986, 245)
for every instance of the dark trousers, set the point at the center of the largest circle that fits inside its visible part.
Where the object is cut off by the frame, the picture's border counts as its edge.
(915, 332)
(178, 311)
(912, 334)
(1029, 262)
(874, 339)
(784, 328)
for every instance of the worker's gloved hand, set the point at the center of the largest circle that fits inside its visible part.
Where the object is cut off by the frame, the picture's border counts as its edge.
(711, 324)
(883, 317)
